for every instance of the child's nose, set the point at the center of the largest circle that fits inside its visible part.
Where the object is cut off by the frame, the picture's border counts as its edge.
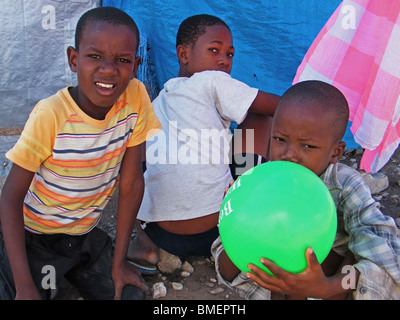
(290, 154)
(108, 67)
(224, 60)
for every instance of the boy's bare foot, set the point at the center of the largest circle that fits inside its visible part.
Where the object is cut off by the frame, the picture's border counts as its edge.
(142, 251)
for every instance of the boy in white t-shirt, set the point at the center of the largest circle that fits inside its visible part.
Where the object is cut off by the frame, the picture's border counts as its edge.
(188, 162)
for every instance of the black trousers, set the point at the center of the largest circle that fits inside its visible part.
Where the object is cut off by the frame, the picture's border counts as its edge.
(84, 260)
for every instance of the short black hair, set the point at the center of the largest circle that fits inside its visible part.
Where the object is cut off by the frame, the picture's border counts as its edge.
(105, 14)
(193, 27)
(328, 97)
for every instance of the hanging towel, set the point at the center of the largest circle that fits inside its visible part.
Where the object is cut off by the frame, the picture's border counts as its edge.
(358, 51)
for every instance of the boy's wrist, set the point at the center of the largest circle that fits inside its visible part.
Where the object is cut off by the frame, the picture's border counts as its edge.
(119, 257)
(334, 286)
(26, 290)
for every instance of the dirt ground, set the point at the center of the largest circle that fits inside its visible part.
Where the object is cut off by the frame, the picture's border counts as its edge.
(201, 284)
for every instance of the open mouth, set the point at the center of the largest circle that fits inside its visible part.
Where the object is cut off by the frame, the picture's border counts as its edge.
(105, 85)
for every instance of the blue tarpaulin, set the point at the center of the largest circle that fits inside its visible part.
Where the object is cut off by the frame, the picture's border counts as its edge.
(270, 37)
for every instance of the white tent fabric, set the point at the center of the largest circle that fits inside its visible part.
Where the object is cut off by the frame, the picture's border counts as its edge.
(34, 36)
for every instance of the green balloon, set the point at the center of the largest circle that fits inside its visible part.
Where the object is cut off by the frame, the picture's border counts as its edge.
(276, 211)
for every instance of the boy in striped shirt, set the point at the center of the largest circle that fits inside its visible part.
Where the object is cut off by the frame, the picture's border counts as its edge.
(75, 148)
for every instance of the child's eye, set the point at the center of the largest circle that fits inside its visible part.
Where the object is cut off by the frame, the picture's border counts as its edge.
(215, 50)
(94, 56)
(308, 146)
(123, 60)
(230, 54)
(277, 139)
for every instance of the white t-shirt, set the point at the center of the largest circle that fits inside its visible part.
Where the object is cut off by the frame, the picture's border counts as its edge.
(188, 161)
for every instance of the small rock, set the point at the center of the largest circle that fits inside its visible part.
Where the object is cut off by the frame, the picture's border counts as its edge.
(177, 286)
(210, 284)
(159, 290)
(348, 152)
(359, 151)
(185, 274)
(213, 280)
(168, 263)
(217, 290)
(186, 266)
(377, 182)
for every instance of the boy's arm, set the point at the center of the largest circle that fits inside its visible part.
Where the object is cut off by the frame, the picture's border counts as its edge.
(131, 191)
(264, 103)
(12, 222)
(227, 268)
(257, 123)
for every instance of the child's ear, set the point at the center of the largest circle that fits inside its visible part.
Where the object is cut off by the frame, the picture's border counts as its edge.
(138, 61)
(338, 151)
(182, 53)
(72, 58)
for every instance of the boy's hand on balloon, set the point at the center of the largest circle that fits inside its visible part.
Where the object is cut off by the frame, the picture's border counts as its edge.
(227, 188)
(312, 282)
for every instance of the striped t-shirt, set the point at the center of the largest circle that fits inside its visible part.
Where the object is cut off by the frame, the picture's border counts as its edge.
(77, 158)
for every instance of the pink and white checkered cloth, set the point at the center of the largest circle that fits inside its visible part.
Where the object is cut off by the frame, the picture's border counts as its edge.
(358, 51)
